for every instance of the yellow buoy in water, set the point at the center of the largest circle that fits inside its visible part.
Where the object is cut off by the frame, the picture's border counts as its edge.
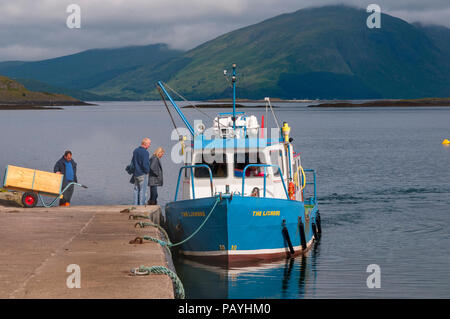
(446, 142)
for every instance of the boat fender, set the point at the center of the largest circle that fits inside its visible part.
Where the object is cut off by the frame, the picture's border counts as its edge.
(318, 222)
(301, 229)
(314, 229)
(287, 238)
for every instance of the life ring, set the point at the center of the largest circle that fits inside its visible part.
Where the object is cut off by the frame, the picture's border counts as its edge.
(296, 181)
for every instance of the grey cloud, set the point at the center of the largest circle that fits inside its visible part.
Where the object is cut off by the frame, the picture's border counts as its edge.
(31, 29)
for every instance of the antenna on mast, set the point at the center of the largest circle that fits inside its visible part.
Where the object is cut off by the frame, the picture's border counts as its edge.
(233, 79)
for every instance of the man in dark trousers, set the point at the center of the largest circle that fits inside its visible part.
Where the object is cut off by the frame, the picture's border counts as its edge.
(141, 163)
(66, 166)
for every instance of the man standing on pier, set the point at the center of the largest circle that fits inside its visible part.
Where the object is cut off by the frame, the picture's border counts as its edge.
(141, 163)
(67, 166)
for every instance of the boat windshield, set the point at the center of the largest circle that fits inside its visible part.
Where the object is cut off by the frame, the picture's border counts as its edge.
(241, 160)
(218, 170)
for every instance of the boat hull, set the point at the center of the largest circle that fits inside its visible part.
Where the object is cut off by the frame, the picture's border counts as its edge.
(239, 229)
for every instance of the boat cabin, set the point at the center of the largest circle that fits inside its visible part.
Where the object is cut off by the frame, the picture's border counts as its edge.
(239, 161)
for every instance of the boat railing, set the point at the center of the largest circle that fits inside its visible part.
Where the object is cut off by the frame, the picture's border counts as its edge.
(265, 177)
(311, 200)
(191, 167)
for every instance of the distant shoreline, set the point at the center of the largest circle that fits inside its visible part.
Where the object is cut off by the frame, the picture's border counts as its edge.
(259, 101)
(389, 103)
(40, 105)
(221, 105)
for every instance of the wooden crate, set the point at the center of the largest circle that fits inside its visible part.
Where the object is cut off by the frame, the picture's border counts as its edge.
(26, 179)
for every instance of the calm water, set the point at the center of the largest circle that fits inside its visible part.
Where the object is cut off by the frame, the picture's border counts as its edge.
(383, 187)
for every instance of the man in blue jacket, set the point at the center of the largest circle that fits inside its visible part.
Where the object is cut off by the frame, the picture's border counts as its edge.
(141, 163)
(66, 166)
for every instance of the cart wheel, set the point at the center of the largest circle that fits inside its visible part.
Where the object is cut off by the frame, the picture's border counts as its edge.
(29, 200)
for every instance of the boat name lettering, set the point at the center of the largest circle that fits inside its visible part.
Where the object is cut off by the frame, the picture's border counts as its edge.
(193, 214)
(266, 213)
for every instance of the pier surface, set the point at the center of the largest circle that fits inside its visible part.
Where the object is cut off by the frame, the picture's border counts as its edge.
(38, 245)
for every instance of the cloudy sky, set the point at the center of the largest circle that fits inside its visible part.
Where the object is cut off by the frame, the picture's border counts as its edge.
(36, 29)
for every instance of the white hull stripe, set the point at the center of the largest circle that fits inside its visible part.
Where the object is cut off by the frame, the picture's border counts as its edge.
(242, 252)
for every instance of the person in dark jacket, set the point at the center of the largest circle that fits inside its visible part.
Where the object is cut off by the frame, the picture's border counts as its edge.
(67, 166)
(155, 177)
(141, 165)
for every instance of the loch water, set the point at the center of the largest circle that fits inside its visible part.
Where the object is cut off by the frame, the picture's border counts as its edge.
(383, 185)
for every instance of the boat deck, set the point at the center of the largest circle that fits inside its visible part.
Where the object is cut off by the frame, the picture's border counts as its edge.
(37, 246)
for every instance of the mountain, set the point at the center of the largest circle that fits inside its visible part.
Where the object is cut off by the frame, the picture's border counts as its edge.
(325, 52)
(87, 69)
(440, 36)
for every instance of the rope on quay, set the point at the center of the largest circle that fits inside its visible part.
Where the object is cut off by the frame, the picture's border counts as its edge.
(161, 270)
(137, 216)
(145, 224)
(127, 210)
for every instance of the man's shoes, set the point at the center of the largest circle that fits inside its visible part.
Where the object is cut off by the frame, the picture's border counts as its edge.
(67, 204)
(151, 202)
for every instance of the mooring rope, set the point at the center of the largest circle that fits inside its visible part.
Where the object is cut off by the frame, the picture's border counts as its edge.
(168, 244)
(161, 270)
(145, 224)
(143, 270)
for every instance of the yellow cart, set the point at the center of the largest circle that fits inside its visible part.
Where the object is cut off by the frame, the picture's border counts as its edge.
(35, 184)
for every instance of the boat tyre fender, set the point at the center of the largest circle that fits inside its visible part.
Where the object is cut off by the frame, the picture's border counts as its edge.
(287, 238)
(319, 226)
(314, 229)
(301, 229)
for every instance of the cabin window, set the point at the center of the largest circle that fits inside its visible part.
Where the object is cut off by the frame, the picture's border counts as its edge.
(241, 160)
(276, 158)
(218, 170)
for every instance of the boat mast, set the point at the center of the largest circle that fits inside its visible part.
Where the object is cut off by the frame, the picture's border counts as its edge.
(233, 79)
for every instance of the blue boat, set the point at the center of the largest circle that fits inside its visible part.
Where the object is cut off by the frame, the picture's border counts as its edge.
(243, 193)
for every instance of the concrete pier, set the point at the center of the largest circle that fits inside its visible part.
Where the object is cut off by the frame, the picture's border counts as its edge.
(37, 245)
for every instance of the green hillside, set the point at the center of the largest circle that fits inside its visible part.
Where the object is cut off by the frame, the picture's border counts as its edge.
(325, 52)
(82, 95)
(90, 68)
(12, 92)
